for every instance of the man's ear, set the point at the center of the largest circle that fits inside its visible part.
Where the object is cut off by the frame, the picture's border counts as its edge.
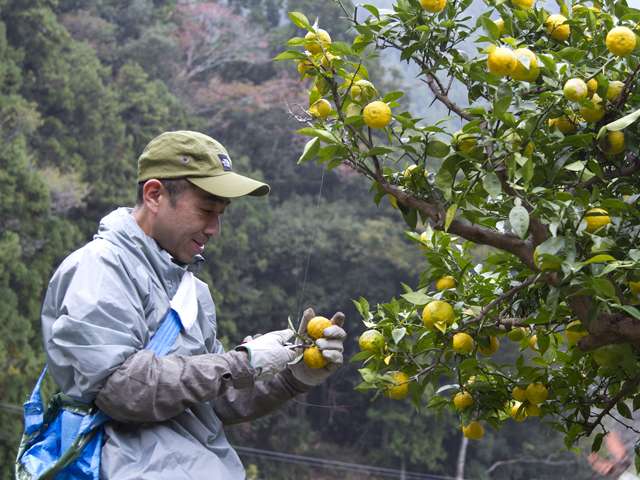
(152, 192)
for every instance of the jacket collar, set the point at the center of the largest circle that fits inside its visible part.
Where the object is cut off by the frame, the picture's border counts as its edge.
(120, 228)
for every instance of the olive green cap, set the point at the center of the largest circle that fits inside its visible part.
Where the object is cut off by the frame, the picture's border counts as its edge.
(199, 159)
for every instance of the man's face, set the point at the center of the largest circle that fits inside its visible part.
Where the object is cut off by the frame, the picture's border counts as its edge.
(183, 229)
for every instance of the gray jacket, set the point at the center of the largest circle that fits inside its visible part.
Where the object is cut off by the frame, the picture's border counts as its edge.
(102, 306)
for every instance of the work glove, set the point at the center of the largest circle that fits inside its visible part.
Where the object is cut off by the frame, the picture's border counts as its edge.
(268, 354)
(331, 345)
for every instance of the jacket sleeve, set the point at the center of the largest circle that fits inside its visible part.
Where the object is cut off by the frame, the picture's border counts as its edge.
(237, 405)
(147, 388)
(95, 331)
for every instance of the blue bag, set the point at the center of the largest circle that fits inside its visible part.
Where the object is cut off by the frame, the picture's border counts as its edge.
(65, 442)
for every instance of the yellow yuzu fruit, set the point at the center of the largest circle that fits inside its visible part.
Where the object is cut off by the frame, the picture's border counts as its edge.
(517, 411)
(464, 142)
(446, 282)
(524, 4)
(371, 341)
(433, 6)
(614, 89)
(557, 28)
(613, 142)
(304, 66)
(321, 109)
(400, 387)
(519, 394)
(521, 72)
(596, 112)
(502, 61)
(376, 114)
(533, 343)
(592, 86)
(494, 345)
(621, 41)
(596, 218)
(532, 410)
(313, 358)
(437, 312)
(536, 393)
(575, 89)
(355, 92)
(564, 124)
(463, 343)
(316, 41)
(517, 334)
(473, 431)
(316, 326)
(462, 400)
(500, 24)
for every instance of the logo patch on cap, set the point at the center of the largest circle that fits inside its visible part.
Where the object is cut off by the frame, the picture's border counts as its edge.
(225, 161)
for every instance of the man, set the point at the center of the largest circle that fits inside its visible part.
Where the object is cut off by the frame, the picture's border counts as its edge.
(108, 298)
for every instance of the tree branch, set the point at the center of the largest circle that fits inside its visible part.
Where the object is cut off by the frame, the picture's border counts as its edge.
(505, 296)
(628, 387)
(477, 234)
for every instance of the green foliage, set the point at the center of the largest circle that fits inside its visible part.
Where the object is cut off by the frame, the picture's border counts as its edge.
(511, 180)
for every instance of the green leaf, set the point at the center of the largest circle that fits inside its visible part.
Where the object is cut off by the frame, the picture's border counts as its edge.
(597, 442)
(398, 334)
(437, 149)
(290, 55)
(571, 54)
(310, 150)
(444, 179)
(392, 96)
(604, 287)
(623, 410)
(621, 123)
(548, 62)
(318, 132)
(410, 216)
(490, 27)
(492, 185)
(300, 20)
(633, 311)
(602, 258)
(519, 220)
(501, 103)
(450, 215)
(416, 298)
(379, 151)
(372, 9)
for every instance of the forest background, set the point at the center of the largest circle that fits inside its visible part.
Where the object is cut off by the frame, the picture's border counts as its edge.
(84, 85)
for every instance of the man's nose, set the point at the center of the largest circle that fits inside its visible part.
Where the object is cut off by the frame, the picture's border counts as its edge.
(213, 226)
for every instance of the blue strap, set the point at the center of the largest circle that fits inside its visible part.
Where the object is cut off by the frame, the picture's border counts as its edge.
(166, 335)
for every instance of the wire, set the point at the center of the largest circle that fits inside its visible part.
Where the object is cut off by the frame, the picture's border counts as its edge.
(306, 268)
(337, 465)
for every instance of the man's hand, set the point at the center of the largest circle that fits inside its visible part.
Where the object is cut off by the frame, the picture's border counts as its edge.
(268, 354)
(331, 345)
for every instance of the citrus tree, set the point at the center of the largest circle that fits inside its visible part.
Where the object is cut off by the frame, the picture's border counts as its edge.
(544, 172)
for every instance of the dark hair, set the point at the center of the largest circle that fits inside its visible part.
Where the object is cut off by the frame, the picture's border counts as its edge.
(174, 186)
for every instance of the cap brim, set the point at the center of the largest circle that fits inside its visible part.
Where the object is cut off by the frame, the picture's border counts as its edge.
(230, 185)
